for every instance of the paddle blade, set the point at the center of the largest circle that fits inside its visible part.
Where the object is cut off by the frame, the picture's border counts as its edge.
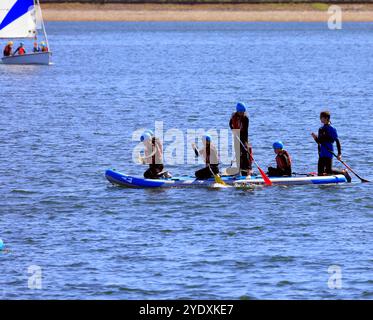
(265, 177)
(350, 169)
(219, 180)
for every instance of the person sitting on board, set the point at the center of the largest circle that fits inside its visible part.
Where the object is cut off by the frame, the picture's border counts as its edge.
(239, 122)
(325, 139)
(8, 50)
(43, 46)
(210, 156)
(153, 156)
(36, 48)
(283, 161)
(20, 50)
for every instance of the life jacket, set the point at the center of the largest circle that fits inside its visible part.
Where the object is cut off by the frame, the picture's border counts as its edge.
(21, 51)
(7, 50)
(283, 160)
(44, 49)
(236, 121)
(325, 134)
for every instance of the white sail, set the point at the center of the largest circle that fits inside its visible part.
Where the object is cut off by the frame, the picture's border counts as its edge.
(17, 19)
(38, 17)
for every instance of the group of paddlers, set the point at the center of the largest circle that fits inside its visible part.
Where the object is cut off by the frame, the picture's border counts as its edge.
(239, 124)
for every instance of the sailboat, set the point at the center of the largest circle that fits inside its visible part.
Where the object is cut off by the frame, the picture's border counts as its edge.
(22, 19)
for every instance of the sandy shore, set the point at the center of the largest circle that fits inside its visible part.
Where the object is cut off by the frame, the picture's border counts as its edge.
(209, 12)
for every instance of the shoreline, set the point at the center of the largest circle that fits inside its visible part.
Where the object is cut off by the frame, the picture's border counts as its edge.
(267, 12)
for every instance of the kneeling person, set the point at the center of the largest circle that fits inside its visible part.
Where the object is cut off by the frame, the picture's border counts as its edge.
(210, 156)
(153, 156)
(283, 161)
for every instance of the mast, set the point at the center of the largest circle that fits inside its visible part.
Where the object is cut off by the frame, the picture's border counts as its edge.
(36, 2)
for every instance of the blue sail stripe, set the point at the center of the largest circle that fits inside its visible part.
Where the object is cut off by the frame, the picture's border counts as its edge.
(18, 10)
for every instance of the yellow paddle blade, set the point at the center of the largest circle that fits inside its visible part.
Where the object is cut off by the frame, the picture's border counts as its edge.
(218, 179)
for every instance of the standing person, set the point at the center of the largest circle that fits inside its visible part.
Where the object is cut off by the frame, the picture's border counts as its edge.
(283, 161)
(240, 121)
(21, 50)
(327, 135)
(8, 49)
(210, 156)
(153, 157)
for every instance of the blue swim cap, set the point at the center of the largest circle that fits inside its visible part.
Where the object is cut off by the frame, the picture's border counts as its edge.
(207, 138)
(278, 145)
(150, 132)
(145, 136)
(240, 107)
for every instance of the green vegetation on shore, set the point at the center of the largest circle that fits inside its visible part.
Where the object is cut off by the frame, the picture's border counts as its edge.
(320, 6)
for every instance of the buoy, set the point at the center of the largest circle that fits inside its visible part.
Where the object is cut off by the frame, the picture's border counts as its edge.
(1, 244)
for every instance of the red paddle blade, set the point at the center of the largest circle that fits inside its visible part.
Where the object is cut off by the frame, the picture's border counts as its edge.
(265, 178)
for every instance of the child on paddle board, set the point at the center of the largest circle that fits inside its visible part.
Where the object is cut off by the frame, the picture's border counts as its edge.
(239, 122)
(210, 156)
(283, 161)
(153, 156)
(325, 139)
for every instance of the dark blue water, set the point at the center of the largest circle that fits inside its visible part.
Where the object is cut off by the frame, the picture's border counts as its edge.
(61, 126)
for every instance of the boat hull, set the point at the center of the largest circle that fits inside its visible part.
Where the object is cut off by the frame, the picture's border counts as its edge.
(42, 58)
(124, 180)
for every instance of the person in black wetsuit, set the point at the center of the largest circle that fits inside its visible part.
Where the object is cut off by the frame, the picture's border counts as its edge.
(210, 156)
(239, 124)
(283, 161)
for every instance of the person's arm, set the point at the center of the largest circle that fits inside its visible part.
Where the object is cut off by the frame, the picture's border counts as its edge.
(230, 123)
(245, 127)
(149, 156)
(334, 136)
(315, 137)
(196, 151)
(154, 150)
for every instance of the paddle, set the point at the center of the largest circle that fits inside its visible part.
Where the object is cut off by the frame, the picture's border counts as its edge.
(310, 174)
(267, 181)
(217, 178)
(348, 167)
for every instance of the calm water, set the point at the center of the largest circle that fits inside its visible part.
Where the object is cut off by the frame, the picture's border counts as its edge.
(62, 126)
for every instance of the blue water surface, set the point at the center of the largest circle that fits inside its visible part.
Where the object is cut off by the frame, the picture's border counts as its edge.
(61, 126)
